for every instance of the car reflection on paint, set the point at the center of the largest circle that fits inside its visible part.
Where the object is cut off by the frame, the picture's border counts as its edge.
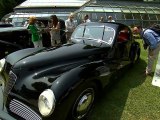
(63, 82)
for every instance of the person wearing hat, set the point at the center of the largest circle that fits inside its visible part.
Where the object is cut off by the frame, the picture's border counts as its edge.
(70, 26)
(35, 33)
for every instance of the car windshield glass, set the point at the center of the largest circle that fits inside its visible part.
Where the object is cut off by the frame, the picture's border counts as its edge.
(78, 32)
(92, 32)
(109, 34)
(94, 35)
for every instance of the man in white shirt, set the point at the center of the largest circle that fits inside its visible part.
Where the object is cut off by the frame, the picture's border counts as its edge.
(110, 19)
(86, 19)
(70, 26)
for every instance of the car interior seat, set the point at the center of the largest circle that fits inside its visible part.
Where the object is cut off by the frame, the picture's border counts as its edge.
(123, 36)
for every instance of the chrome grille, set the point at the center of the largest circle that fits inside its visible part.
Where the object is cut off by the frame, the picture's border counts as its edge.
(23, 110)
(11, 81)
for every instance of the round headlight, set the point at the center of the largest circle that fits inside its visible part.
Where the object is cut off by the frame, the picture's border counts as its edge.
(46, 102)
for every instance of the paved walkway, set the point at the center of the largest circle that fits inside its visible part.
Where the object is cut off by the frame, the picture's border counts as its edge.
(156, 77)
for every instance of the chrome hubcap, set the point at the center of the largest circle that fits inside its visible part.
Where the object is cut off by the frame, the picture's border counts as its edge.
(84, 103)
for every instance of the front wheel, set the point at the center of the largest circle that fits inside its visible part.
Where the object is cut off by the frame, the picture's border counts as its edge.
(84, 97)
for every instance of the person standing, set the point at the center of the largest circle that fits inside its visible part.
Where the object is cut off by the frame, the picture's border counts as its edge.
(55, 31)
(152, 43)
(37, 42)
(110, 19)
(101, 19)
(70, 26)
(86, 19)
(40, 27)
(62, 31)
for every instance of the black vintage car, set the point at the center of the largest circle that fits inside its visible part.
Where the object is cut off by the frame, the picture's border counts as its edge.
(12, 39)
(62, 83)
(3, 25)
(16, 38)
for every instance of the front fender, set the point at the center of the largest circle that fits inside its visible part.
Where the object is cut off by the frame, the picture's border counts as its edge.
(68, 81)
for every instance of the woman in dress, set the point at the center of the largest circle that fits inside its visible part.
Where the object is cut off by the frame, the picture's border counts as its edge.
(55, 31)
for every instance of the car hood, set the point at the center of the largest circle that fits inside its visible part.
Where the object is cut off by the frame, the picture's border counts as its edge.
(21, 54)
(54, 56)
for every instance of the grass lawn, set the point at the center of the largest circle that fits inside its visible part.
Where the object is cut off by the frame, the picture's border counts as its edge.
(133, 97)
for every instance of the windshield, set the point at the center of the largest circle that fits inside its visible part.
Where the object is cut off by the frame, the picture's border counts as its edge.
(94, 35)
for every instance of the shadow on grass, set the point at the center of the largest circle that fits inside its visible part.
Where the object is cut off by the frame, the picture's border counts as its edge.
(112, 101)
